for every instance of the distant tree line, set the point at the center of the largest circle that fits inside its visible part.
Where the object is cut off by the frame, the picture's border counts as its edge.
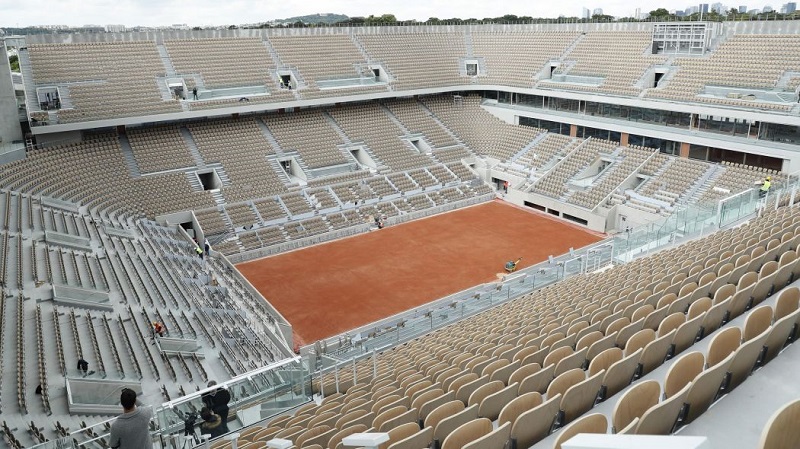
(657, 15)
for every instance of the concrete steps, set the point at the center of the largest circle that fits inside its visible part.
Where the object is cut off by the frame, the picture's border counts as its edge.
(193, 149)
(130, 160)
(273, 142)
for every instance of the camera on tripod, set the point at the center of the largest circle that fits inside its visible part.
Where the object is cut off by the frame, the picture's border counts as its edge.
(188, 423)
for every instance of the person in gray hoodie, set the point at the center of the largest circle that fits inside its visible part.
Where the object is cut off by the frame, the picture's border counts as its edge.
(131, 430)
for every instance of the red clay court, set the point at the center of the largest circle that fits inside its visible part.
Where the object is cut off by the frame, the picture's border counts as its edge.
(334, 287)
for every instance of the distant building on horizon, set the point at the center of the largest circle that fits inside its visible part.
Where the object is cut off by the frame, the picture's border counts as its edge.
(585, 13)
(597, 12)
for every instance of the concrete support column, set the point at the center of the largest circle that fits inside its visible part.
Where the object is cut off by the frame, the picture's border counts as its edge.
(573, 130)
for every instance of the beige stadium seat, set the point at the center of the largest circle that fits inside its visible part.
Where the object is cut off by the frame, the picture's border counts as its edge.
(518, 406)
(722, 344)
(633, 403)
(706, 388)
(535, 424)
(682, 372)
(337, 437)
(594, 423)
(447, 425)
(420, 439)
(467, 433)
(619, 375)
(661, 418)
(400, 433)
(780, 333)
(782, 431)
(581, 397)
(491, 406)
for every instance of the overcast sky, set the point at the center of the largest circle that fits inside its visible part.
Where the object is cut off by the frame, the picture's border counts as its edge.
(226, 12)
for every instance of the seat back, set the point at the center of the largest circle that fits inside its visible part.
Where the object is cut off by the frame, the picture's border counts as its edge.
(465, 391)
(426, 408)
(634, 402)
(581, 397)
(466, 433)
(782, 431)
(788, 301)
(656, 352)
(594, 423)
(671, 322)
(757, 322)
(423, 438)
(587, 340)
(519, 405)
(723, 343)
(537, 381)
(604, 360)
(503, 374)
(574, 360)
(484, 390)
(525, 371)
(687, 333)
(562, 383)
(620, 374)
(682, 372)
(426, 396)
(639, 340)
(601, 345)
(779, 334)
(535, 424)
(706, 387)
(447, 425)
(312, 436)
(443, 411)
(661, 418)
(745, 358)
(339, 436)
(399, 433)
(407, 417)
(556, 355)
(491, 406)
(495, 439)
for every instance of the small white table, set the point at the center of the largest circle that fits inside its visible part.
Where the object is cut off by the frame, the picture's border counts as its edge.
(365, 440)
(279, 443)
(608, 441)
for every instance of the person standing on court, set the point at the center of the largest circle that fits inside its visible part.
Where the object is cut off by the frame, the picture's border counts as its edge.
(131, 430)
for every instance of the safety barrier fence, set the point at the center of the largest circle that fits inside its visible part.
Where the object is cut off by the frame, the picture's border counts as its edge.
(354, 230)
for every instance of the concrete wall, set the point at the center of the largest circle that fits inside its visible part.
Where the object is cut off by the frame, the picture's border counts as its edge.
(9, 117)
(595, 222)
